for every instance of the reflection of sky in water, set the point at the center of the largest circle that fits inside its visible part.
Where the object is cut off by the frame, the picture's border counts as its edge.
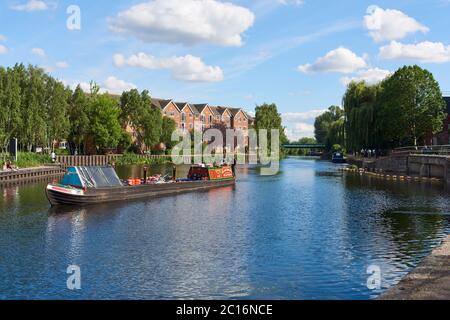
(308, 233)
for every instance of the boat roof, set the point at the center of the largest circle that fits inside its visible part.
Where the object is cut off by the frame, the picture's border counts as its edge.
(97, 177)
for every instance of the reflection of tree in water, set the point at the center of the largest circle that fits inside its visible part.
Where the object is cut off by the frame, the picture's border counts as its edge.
(412, 216)
(414, 231)
(394, 187)
(24, 197)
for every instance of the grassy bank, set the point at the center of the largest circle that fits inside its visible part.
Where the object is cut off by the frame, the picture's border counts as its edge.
(27, 160)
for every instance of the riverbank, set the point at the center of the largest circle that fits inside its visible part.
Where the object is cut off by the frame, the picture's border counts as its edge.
(30, 174)
(429, 281)
(422, 167)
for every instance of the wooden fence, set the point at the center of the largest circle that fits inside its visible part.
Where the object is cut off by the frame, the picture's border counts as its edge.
(102, 160)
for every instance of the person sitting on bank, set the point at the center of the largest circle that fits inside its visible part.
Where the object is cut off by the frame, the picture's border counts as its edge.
(11, 167)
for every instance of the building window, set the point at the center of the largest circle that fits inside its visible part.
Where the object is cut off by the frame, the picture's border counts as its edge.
(183, 126)
(172, 114)
(202, 118)
(210, 119)
(183, 116)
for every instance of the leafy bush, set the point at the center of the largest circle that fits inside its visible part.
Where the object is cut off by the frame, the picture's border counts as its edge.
(134, 159)
(31, 160)
(62, 152)
(338, 148)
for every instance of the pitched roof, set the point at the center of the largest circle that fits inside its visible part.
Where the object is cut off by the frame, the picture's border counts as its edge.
(221, 110)
(235, 111)
(182, 105)
(160, 103)
(199, 107)
(214, 111)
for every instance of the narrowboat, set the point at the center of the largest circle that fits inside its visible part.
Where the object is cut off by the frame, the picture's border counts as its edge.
(93, 185)
(338, 158)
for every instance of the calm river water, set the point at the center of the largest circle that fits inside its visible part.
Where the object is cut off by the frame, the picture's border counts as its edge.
(310, 232)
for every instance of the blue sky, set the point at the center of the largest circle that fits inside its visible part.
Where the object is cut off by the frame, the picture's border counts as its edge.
(298, 54)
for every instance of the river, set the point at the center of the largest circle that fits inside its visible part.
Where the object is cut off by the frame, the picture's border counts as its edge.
(311, 232)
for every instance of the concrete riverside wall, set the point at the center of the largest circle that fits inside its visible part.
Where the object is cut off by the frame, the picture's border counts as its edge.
(429, 281)
(426, 166)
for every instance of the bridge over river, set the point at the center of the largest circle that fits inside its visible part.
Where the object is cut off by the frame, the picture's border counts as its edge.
(304, 146)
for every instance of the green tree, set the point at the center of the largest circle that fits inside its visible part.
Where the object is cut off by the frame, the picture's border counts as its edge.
(361, 108)
(268, 118)
(301, 152)
(138, 113)
(411, 106)
(105, 127)
(56, 111)
(10, 102)
(33, 130)
(329, 127)
(78, 113)
(152, 122)
(168, 127)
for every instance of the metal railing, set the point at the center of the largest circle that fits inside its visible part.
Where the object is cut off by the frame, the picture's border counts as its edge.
(443, 150)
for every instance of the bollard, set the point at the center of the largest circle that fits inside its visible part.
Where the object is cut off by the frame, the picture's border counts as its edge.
(145, 174)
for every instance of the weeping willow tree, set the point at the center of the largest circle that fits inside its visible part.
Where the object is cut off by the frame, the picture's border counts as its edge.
(329, 127)
(360, 106)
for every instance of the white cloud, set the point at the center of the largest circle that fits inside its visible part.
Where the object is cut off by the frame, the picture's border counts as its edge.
(390, 24)
(111, 85)
(300, 124)
(299, 130)
(185, 21)
(296, 3)
(32, 5)
(185, 68)
(302, 116)
(62, 65)
(58, 65)
(114, 85)
(425, 52)
(370, 76)
(3, 49)
(85, 86)
(38, 52)
(340, 60)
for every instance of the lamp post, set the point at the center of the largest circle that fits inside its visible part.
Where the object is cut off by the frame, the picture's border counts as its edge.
(13, 148)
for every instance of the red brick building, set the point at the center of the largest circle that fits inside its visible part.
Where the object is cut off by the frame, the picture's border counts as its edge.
(443, 138)
(199, 117)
